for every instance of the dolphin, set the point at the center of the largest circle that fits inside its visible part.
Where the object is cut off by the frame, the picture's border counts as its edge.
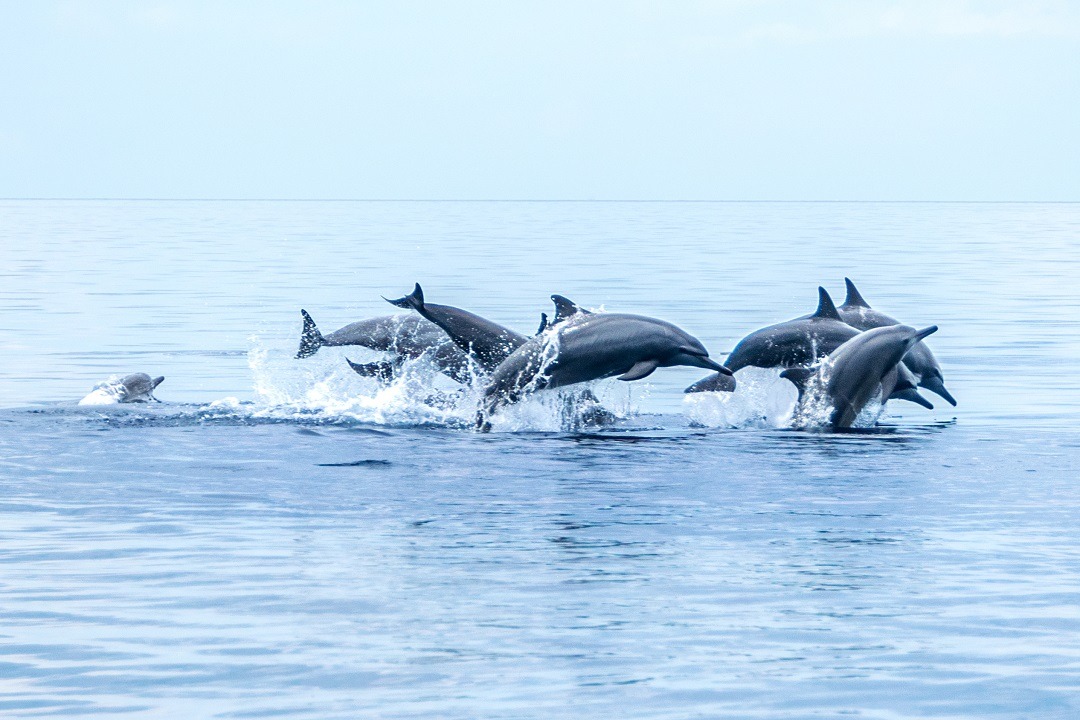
(134, 388)
(488, 343)
(855, 372)
(408, 336)
(857, 312)
(591, 346)
(794, 343)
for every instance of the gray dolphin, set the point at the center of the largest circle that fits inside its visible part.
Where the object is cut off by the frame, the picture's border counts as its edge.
(854, 373)
(406, 335)
(139, 387)
(857, 312)
(487, 342)
(134, 388)
(591, 346)
(794, 343)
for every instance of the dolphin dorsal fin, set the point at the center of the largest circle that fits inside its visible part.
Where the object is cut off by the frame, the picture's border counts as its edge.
(564, 308)
(854, 299)
(826, 308)
(543, 324)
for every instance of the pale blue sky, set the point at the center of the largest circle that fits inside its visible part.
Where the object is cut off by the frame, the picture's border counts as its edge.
(759, 100)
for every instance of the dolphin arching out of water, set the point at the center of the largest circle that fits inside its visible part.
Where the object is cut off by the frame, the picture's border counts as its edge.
(406, 335)
(487, 342)
(591, 346)
(856, 372)
(793, 343)
(133, 388)
(857, 312)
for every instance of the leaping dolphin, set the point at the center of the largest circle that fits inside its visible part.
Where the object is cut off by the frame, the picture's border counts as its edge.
(857, 312)
(794, 343)
(855, 372)
(405, 335)
(591, 346)
(485, 341)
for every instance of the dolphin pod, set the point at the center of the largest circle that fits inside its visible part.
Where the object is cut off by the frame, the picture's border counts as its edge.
(845, 352)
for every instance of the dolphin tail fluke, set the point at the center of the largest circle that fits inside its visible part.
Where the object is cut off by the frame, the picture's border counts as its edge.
(912, 395)
(937, 386)
(414, 300)
(854, 298)
(310, 338)
(826, 307)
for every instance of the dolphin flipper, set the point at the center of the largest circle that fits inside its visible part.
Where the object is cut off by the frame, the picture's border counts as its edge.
(717, 382)
(799, 377)
(640, 370)
(310, 338)
(381, 370)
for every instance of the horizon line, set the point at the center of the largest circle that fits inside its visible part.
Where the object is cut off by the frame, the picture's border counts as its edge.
(509, 200)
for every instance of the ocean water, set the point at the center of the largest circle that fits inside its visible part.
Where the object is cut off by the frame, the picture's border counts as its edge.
(281, 537)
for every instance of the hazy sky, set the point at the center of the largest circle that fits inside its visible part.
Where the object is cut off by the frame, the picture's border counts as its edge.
(785, 100)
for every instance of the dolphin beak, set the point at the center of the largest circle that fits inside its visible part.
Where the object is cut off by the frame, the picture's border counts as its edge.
(937, 386)
(925, 332)
(912, 395)
(710, 364)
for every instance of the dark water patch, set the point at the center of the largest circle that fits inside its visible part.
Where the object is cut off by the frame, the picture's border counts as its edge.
(358, 463)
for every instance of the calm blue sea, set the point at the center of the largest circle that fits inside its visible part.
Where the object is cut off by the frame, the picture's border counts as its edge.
(282, 538)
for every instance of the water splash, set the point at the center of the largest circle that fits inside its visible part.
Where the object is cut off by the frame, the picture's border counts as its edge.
(106, 392)
(325, 388)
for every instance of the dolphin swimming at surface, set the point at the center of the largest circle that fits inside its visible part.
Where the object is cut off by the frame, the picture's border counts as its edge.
(134, 388)
(793, 343)
(857, 312)
(854, 373)
(487, 342)
(406, 335)
(591, 346)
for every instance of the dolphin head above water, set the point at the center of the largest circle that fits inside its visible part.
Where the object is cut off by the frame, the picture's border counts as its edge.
(138, 387)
